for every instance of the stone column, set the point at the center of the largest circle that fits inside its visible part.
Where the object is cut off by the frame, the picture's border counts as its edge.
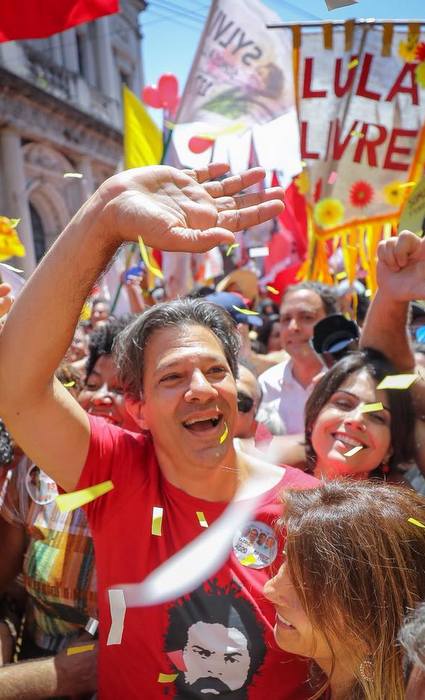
(16, 195)
(105, 59)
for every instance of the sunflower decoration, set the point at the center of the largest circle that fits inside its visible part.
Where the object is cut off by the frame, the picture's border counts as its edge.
(394, 193)
(361, 194)
(407, 49)
(302, 182)
(10, 244)
(328, 212)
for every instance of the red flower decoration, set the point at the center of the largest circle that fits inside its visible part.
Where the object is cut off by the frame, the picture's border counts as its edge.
(420, 52)
(361, 194)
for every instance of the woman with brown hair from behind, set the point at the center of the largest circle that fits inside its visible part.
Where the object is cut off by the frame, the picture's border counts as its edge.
(354, 565)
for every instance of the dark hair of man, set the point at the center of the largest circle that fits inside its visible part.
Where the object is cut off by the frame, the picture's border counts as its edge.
(100, 300)
(324, 291)
(131, 344)
(214, 604)
(102, 339)
(400, 402)
(412, 636)
(264, 332)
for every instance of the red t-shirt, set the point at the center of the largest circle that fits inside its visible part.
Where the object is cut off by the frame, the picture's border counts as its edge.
(188, 639)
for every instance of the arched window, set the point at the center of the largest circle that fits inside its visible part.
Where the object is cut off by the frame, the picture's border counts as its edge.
(38, 233)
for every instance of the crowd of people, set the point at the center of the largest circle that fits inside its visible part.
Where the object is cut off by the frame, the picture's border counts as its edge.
(188, 406)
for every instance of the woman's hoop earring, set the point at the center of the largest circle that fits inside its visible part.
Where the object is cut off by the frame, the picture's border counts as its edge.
(366, 670)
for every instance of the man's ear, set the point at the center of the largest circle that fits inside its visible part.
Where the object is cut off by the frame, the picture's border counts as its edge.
(136, 409)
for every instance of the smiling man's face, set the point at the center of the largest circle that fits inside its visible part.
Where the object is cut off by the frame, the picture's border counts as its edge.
(189, 397)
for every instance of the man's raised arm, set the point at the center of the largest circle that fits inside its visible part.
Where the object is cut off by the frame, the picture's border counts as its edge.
(172, 210)
(401, 279)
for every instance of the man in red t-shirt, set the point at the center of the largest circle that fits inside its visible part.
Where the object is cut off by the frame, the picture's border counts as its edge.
(178, 363)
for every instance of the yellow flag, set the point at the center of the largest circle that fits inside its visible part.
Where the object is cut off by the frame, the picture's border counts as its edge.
(142, 138)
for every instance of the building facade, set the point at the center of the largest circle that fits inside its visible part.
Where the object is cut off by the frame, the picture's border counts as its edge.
(60, 112)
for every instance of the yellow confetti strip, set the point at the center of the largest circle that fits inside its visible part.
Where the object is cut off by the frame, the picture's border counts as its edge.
(145, 257)
(167, 677)
(341, 275)
(201, 518)
(353, 63)
(231, 247)
(79, 650)
(225, 434)
(77, 176)
(232, 129)
(271, 289)
(247, 312)
(406, 184)
(416, 522)
(250, 559)
(157, 513)
(353, 451)
(70, 501)
(357, 134)
(369, 407)
(397, 381)
(67, 385)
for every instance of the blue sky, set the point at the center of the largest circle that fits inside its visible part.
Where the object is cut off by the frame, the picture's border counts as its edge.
(172, 28)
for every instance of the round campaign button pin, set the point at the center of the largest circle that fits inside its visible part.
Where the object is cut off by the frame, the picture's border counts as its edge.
(40, 487)
(256, 545)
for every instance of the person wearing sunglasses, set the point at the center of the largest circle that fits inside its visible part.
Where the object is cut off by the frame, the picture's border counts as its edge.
(249, 399)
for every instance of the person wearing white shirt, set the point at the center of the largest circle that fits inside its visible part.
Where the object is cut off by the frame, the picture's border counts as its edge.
(287, 385)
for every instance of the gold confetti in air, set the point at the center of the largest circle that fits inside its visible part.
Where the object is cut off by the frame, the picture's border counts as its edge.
(370, 407)
(397, 381)
(167, 677)
(353, 451)
(341, 275)
(271, 289)
(231, 247)
(201, 518)
(67, 385)
(79, 650)
(406, 184)
(247, 312)
(225, 434)
(249, 559)
(70, 501)
(157, 513)
(77, 176)
(415, 522)
(353, 63)
(357, 134)
(145, 257)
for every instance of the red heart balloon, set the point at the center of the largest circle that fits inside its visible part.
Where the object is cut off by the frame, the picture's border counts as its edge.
(168, 88)
(198, 144)
(151, 97)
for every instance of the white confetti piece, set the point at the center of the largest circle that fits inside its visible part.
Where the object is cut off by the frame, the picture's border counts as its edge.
(117, 607)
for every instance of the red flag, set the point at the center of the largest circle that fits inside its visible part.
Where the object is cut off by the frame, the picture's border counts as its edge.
(38, 19)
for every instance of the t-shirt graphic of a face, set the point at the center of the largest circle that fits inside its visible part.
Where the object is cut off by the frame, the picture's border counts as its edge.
(215, 642)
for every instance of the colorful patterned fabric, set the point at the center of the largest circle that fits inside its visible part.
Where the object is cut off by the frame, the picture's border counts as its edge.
(58, 571)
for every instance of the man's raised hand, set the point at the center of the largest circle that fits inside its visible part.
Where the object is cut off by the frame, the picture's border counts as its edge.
(401, 267)
(185, 210)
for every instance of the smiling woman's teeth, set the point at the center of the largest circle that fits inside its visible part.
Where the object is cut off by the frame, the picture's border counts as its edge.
(282, 619)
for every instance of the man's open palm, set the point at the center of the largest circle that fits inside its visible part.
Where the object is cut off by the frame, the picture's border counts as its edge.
(186, 210)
